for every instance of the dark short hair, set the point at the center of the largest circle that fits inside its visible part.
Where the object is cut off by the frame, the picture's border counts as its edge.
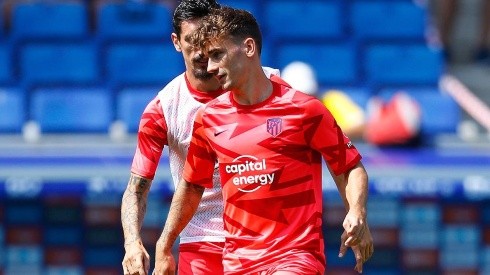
(190, 10)
(227, 22)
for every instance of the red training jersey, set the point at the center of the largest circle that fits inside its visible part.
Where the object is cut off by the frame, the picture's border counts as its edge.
(270, 161)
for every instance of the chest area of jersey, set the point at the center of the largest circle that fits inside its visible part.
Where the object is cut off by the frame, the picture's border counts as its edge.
(254, 134)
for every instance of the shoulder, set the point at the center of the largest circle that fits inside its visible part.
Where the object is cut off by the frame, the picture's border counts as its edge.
(173, 86)
(309, 105)
(295, 96)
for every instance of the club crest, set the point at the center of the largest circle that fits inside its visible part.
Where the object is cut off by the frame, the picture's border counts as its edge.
(274, 126)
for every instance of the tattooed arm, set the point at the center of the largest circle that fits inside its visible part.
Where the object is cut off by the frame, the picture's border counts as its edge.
(133, 209)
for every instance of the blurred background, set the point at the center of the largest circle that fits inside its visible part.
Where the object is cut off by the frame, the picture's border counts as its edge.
(75, 77)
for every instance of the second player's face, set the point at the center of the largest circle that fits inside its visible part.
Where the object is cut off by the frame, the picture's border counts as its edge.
(193, 58)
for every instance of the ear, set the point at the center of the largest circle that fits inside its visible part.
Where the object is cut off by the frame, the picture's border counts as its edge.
(176, 42)
(250, 46)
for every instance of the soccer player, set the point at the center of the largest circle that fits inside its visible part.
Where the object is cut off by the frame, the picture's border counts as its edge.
(167, 120)
(268, 140)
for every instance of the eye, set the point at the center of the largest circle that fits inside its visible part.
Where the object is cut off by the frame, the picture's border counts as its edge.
(216, 55)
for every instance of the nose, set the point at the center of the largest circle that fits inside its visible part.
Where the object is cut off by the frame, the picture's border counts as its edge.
(212, 67)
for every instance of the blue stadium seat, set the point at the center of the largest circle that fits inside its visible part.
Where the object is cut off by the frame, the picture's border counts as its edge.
(333, 63)
(299, 20)
(131, 103)
(411, 64)
(266, 56)
(440, 113)
(388, 20)
(12, 110)
(59, 63)
(72, 110)
(253, 6)
(49, 19)
(6, 64)
(142, 64)
(133, 20)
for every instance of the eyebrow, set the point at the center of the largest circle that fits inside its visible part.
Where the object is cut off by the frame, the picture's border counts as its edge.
(214, 50)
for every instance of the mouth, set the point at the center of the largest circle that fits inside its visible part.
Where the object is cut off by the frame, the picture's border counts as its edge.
(201, 62)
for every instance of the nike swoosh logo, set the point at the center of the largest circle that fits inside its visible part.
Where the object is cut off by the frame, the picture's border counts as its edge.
(219, 133)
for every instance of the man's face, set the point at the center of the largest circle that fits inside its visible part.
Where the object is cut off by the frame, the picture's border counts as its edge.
(194, 59)
(227, 62)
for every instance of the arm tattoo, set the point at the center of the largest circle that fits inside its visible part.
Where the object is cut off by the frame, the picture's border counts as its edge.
(133, 207)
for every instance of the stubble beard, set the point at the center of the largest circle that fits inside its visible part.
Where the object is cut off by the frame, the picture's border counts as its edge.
(201, 74)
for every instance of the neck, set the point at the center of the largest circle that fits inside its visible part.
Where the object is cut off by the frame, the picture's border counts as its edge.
(256, 88)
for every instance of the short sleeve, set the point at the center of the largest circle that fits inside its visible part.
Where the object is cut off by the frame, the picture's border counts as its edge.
(324, 135)
(152, 137)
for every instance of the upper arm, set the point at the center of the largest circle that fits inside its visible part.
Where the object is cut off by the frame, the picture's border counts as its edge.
(324, 135)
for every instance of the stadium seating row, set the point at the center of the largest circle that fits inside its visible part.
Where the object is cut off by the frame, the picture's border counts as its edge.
(129, 64)
(93, 110)
(52, 56)
(321, 39)
(146, 19)
(72, 110)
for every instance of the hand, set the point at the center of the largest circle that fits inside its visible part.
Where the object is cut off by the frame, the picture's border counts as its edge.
(136, 260)
(164, 262)
(359, 239)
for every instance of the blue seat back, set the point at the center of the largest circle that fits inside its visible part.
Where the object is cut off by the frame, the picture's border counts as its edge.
(131, 103)
(6, 64)
(388, 20)
(333, 63)
(72, 110)
(12, 110)
(131, 20)
(298, 20)
(57, 63)
(49, 19)
(410, 64)
(253, 6)
(142, 64)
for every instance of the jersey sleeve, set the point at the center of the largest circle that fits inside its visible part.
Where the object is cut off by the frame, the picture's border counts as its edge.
(152, 137)
(200, 162)
(325, 136)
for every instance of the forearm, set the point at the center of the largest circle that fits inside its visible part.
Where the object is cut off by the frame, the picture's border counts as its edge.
(184, 204)
(353, 188)
(356, 190)
(133, 207)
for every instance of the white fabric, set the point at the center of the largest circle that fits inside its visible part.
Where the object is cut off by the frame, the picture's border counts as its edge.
(179, 109)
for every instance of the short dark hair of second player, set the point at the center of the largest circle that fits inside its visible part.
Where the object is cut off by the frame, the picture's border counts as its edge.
(190, 10)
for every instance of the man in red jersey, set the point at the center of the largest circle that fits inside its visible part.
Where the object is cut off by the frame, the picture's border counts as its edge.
(269, 140)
